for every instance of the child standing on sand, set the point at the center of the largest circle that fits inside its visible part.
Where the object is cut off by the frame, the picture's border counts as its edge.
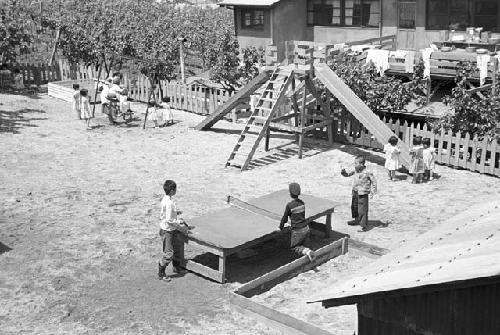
(417, 161)
(167, 115)
(85, 111)
(364, 183)
(392, 152)
(170, 224)
(296, 211)
(76, 100)
(429, 158)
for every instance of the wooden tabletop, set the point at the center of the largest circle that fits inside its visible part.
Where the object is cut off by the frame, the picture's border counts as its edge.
(231, 227)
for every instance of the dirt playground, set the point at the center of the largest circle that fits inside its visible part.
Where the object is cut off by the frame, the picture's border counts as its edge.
(79, 215)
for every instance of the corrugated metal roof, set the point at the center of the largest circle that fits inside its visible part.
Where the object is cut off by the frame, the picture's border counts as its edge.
(463, 248)
(261, 3)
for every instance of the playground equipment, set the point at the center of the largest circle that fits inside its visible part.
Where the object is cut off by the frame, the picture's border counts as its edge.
(304, 63)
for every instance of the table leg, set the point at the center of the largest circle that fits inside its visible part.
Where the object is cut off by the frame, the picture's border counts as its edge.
(328, 225)
(179, 241)
(222, 268)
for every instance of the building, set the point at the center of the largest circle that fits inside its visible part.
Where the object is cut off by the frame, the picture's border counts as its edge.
(416, 23)
(446, 282)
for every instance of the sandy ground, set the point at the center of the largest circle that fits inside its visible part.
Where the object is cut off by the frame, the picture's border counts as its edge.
(78, 237)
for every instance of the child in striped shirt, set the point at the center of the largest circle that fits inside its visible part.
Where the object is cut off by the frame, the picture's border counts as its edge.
(296, 211)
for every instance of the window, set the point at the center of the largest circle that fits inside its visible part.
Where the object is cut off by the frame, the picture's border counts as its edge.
(252, 19)
(459, 14)
(407, 14)
(353, 13)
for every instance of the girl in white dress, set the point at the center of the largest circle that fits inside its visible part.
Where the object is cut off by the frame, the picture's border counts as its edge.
(85, 111)
(392, 152)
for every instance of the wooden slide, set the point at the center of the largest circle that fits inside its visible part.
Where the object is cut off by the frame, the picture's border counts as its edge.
(234, 101)
(358, 108)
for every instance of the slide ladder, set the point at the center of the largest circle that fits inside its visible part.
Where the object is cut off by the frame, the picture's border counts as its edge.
(358, 108)
(258, 123)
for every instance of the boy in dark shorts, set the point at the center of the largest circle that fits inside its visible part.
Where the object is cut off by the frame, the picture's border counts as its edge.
(296, 211)
(363, 185)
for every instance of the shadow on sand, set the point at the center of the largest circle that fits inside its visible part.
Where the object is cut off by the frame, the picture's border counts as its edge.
(14, 121)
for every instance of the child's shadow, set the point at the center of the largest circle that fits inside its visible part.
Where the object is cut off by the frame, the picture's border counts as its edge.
(377, 223)
(400, 177)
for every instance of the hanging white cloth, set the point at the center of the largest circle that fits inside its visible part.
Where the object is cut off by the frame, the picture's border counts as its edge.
(380, 59)
(482, 65)
(426, 57)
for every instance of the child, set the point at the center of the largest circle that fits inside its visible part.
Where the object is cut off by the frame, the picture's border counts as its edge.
(392, 152)
(417, 162)
(124, 104)
(76, 100)
(429, 159)
(296, 211)
(169, 224)
(364, 183)
(85, 111)
(18, 80)
(167, 116)
(105, 109)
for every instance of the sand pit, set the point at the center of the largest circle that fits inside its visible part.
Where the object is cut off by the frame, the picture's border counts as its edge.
(78, 223)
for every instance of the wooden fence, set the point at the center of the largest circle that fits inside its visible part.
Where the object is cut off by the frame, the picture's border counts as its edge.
(456, 150)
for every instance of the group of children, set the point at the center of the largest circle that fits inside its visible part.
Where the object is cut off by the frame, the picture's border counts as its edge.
(81, 105)
(364, 184)
(422, 159)
(114, 103)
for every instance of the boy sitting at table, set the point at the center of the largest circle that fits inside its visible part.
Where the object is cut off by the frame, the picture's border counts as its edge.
(296, 211)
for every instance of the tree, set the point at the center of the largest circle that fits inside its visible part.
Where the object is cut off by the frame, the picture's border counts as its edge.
(468, 112)
(16, 28)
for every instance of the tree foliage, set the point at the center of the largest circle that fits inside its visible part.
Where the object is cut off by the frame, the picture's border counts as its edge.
(469, 112)
(144, 29)
(382, 94)
(16, 29)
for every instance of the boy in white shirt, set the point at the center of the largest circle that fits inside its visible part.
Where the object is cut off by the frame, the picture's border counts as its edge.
(169, 224)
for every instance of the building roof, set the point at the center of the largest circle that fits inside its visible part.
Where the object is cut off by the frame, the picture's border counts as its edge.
(463, 248)
(255, 3)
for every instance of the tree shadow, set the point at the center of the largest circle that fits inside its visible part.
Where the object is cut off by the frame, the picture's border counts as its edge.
(4, 248)
(13, 121)
(31, 92)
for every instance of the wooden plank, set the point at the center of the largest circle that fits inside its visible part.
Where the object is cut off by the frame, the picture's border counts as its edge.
(466, 145)
(272, 318)
(439, 157)
(482, 162)
(203, 270)
(456, 142)
(358, 108)
(368, 248)
(493, 151)
(233, 101)
(287, 271)
(473, 162)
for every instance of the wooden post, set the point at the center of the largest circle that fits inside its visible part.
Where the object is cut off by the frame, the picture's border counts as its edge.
(494, 77)
(328, 225)
(268, 135)
(428, 95)
(97, 85)
(302, 117)
(222, 268)
(151, 93)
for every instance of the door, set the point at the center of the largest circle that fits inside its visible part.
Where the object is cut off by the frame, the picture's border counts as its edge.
(407, 16)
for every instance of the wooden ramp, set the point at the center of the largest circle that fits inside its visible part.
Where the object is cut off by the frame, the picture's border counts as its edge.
(358, 108)
(234, 101)
(258, 123)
